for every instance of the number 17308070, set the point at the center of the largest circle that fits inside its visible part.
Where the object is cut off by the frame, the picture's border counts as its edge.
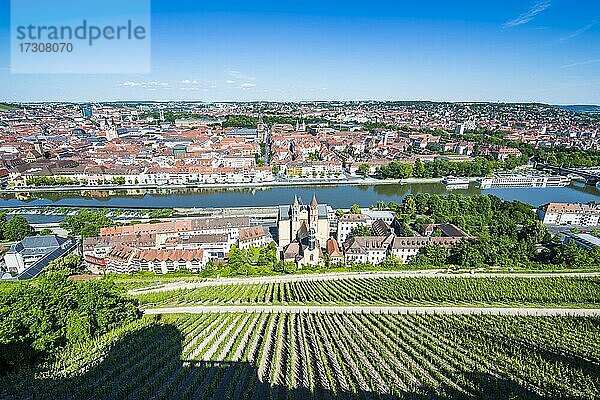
(35, 47)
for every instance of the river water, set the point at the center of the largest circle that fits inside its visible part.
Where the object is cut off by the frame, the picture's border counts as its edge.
(338, 196)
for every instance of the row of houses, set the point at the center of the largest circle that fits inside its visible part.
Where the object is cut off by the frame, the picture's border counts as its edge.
(22, 175)
(168, 246)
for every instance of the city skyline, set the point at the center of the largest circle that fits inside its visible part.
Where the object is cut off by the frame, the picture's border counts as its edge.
(534, 51)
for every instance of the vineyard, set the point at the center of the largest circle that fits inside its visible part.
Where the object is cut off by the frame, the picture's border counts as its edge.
(303, 356)
(556, 291)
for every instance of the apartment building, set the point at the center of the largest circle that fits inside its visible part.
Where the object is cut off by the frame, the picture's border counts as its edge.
(569, 214)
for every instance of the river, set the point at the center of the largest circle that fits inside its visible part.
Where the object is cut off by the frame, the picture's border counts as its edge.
(338, 196)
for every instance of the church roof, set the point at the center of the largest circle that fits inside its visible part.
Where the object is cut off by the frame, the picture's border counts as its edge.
(314, 202)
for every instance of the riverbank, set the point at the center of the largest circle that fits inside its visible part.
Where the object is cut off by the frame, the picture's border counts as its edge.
(288, 183)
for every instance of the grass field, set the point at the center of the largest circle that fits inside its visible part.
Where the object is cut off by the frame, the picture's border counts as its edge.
(319, 356)
(8, 107)
(554, 291)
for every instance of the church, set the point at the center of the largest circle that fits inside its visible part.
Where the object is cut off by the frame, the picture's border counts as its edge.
(303, 231)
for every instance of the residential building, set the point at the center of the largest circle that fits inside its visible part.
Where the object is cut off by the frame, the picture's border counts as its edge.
(371, 249)
(254, 236)
(347, 222)
(125, 259)
(375, 249)
(28, 257)
(569, 214)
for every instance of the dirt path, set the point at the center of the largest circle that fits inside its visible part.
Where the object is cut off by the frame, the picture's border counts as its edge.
(378, 310)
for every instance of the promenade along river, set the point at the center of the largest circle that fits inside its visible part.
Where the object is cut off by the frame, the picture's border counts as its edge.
(338, 196)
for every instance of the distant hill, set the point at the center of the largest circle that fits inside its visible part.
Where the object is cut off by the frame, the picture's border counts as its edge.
(8, 107)
(586, 109)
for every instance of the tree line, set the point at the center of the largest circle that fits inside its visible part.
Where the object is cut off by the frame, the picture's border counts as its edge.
(42, 316)
(480, 166)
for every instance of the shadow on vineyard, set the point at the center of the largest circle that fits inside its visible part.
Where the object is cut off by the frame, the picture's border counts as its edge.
(147, 364)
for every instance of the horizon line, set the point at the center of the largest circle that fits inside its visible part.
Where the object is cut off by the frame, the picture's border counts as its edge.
(299, 101)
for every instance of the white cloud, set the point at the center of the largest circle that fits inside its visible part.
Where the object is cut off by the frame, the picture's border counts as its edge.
(130, 84)
(578, 31)
(247, 85)
(229, 82)
(189, 82)
(240, 76)
(538, 7)
(152, 85)
(586, 62)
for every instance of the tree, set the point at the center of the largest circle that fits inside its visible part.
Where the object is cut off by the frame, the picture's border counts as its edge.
(363, 169)
(395, 170)
(419, 169)
(16, 229)
(431, 255)
(38, 318)
(69, 265)
(86, 223)
(361, 230)
(571, 256)
(408, 205)
(2, 222)
(235, 258)
(45, 232)
(355, 209)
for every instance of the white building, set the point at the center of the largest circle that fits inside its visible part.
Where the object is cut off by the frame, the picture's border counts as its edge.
(569, 214)
(375, 249)
(124, 260)
(28, 257)
(347, 222)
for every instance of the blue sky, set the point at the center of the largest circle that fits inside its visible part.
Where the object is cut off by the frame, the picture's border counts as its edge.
(541, 50)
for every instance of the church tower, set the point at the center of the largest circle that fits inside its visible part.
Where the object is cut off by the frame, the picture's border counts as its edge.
(295, 217)
(313, 214)
(260, 129)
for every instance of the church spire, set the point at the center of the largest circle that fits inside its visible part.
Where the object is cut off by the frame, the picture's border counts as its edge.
(313, 202)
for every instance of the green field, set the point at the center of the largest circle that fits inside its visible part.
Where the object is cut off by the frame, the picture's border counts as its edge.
(8, 107)
(511, 291)
(316, 356)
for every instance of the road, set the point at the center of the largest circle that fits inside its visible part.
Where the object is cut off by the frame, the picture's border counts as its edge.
(378, 310)
(438, 273)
